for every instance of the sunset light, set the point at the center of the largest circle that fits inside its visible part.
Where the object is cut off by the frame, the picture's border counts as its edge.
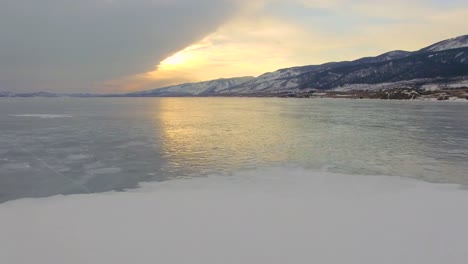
(233, 131)
(176, 60)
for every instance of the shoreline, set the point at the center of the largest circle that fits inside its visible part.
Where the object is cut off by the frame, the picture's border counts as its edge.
(458, 100)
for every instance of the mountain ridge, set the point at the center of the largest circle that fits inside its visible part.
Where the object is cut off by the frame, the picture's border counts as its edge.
(444, 63)
(194, 89)
(450, 60)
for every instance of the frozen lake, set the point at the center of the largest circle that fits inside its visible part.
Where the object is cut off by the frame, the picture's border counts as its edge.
(52, 146)
(233, 180)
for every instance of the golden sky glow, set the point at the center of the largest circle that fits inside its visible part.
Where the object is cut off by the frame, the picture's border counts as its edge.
(112, 46)
(270, 35)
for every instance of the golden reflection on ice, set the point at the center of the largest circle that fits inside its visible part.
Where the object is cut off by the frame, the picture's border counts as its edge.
(198, 132)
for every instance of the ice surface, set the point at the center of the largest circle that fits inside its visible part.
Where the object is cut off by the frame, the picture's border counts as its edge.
(77, 157)
(276, 215)
(42, 115)
(115, 143)
(15, 166)
(105, 170)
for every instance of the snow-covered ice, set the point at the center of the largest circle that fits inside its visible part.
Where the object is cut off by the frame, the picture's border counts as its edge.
(276, 215)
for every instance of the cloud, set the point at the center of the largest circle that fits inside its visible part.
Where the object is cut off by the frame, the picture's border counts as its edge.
(69, 45)
(241, 47)
(124, 45)
(272, 34)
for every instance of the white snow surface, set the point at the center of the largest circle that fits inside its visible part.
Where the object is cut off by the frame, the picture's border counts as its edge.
(459, 84)
(276, 215)
(454, 43)
(403, 84)
(377, 86)
(451, 85)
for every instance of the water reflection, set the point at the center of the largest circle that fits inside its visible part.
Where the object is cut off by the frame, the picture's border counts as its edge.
(221, 135)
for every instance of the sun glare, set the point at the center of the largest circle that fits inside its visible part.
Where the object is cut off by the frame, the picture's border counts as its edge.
(176, 59)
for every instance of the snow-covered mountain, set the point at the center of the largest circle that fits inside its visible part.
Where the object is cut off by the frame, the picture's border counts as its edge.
(446, 61)
(454, 43)
(35, 94)
(7, 94)
(289, 79)
(392, 55)
(194, 89)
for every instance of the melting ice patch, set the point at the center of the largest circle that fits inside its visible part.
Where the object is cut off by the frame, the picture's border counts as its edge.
(278, 215)
(42, 115)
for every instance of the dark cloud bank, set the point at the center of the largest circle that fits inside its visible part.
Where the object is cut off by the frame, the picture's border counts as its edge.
(70, 45)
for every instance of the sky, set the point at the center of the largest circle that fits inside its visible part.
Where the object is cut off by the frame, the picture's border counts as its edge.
(106, 46)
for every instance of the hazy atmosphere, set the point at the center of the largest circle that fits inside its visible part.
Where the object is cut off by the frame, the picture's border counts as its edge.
(121, 45)
(233, 131)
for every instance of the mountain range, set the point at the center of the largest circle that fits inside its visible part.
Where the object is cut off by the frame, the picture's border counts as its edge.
(441, 65)
(195, 89)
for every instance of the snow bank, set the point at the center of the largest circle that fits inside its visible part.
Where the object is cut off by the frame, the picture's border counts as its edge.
(279, 215)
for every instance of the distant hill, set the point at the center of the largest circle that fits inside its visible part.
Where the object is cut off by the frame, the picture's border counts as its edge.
(443, 62)
(35, 94)
(194, 89)
(454, 43)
